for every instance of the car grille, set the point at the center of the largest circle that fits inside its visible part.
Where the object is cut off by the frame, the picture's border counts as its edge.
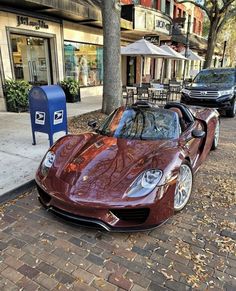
(138, 215)
(203, 94)
(45, 198)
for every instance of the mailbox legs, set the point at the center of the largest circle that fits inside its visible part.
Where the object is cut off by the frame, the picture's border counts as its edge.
(50, 136)
(34, 139)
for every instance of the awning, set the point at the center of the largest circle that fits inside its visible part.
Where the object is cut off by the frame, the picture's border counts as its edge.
(192, 56)
(175, 54)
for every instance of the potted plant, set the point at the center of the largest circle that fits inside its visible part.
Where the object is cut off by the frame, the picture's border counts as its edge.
(16, 93)
(71, 89)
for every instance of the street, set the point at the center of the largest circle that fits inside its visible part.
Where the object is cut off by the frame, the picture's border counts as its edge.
(194, 249)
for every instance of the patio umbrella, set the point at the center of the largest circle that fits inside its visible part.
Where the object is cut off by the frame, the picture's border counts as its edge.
(144, 48)
(175, 54)
(192, 56)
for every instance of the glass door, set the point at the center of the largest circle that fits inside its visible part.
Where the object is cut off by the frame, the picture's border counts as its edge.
(31, 59)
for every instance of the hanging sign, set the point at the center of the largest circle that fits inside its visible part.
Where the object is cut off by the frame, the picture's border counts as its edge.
(154, 39)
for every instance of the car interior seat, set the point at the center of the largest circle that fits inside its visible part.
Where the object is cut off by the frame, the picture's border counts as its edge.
(182, 122)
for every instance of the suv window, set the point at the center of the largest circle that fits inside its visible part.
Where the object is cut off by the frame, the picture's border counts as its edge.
(215, 76)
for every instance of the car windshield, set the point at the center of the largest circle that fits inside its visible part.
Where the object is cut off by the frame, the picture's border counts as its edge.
(215, 77)
(141, 124)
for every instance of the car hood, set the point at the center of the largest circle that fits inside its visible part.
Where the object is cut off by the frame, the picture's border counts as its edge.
(104, 167)
(210, 87)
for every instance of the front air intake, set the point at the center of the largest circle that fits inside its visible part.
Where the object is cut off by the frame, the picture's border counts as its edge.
(136, 215)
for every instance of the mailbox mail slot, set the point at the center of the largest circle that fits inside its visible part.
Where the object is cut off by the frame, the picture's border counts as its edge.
(47, 110)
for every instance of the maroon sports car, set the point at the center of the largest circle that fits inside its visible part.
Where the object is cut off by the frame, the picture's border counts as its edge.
(134, 171)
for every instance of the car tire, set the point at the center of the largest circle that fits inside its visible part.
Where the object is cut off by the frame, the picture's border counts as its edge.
(184, 185)
(232, 111)
(216, 136)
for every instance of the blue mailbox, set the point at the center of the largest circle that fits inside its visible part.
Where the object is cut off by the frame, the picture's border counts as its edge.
(47, 110)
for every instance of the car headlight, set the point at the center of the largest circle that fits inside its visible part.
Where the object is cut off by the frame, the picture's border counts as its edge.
(186, 91)
(47, 162)
(144, 184)
(225, 92)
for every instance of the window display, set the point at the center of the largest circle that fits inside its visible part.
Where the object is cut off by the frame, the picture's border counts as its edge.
(84, 63)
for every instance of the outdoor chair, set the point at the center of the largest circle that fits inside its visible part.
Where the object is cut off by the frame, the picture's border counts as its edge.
(129, 95)
(142, 93)
(174, 91)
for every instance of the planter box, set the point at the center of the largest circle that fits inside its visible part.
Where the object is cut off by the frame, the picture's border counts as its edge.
(71, 98)
(17, 109)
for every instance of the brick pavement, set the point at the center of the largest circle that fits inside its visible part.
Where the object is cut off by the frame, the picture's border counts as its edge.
(194, 250)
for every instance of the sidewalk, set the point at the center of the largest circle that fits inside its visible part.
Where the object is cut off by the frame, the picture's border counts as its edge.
(19, 159)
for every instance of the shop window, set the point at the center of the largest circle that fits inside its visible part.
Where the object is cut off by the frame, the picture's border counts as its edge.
(167, 7)
(31, 59)
(179, 12)
(154, 4)
(199, 28)
(84, 63)
(194, 25)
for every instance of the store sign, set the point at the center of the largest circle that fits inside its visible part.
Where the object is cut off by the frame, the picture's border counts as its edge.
(152, 21)
(37, 24)
(162, 25)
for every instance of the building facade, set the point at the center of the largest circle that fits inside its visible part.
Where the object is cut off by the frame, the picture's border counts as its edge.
(49, 41)
(153, 21)
(43, 42)
(192, 19)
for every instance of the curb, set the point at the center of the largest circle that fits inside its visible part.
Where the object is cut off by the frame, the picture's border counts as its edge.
(14, 193)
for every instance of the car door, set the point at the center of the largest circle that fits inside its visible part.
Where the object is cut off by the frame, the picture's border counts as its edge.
(192, 146)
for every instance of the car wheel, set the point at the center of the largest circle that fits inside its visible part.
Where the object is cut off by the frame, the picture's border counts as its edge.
(232, 111)
(216, 136)
(183, 186)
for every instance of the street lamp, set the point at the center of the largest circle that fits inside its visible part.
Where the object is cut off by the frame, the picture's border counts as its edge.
(187, 47)
(178, 22)
(226, 38)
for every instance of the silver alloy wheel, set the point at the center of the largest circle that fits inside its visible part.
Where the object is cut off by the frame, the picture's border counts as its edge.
(217, 134)
(234, 110)
(183, 187)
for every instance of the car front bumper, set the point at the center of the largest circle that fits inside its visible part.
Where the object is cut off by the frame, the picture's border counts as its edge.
(131, 216)
(224, 102)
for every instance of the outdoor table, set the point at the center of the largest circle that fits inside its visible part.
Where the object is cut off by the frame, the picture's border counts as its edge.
(158, 94)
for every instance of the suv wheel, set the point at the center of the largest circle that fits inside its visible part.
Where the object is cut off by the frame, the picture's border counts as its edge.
(232, 111)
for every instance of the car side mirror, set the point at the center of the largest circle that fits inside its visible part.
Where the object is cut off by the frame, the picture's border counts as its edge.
(92, 123)
(198, 133)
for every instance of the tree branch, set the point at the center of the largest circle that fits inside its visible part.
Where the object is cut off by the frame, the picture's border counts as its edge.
(196, 4)
(231, 14)
(226, 5)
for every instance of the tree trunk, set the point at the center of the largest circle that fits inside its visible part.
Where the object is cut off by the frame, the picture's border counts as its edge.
(111, 56)
(211, 42)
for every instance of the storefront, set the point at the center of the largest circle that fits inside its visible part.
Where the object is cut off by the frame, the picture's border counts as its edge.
(31, 50)
(154, 26)
(83, 55)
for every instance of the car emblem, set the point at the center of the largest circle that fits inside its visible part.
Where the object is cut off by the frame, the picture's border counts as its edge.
(203, 92)
(85, 178)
